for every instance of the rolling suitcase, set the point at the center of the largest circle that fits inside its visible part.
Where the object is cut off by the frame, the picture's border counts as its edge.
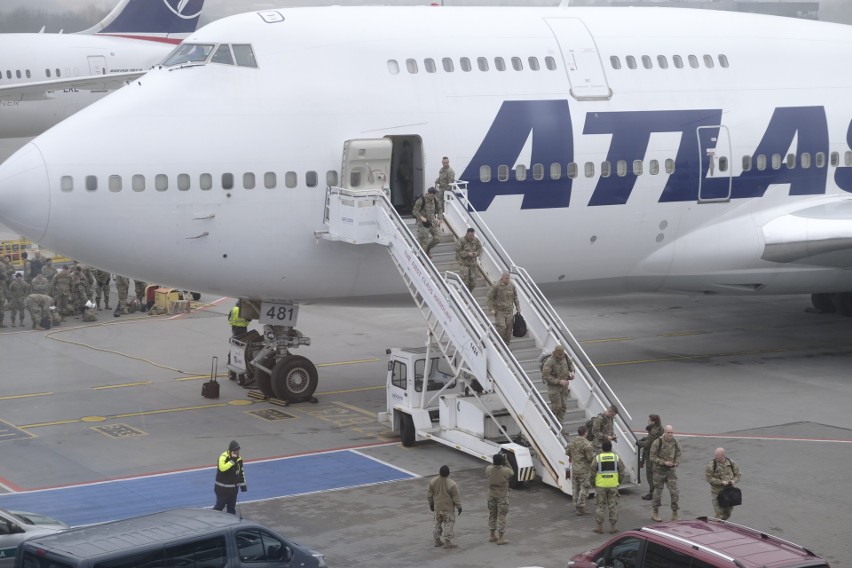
(210, 389)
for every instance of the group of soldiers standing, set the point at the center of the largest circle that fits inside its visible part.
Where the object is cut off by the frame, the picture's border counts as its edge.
(44, 290)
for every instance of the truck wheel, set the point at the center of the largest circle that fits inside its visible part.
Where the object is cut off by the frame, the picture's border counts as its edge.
(514, 483)
(406, 430)
(294, 379)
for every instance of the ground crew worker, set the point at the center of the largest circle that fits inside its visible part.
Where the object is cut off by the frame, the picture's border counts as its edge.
(230, 478)
(38, 305)
(79, 294)
(238, 324)
(603, 427)
(41, 285)
(48, 270)
(444, 498)
(581, 454)
(468, 250)
(141, 285)
(720, 472)
(122, 285)
(429, 212)
(556, 372)
(446, 177)
(33, 266)
(102, 278)
(665, 453)
(503, 301)
(610, 470)
(655, 430)
(18, 292)
(498, 475)
(62, 286)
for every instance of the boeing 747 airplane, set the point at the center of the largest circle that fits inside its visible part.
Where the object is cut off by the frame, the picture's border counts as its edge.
(608, 149)
(45, 78)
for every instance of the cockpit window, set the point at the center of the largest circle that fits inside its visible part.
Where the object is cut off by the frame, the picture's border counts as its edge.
(244, 55)
(189, 53)
(223, 55)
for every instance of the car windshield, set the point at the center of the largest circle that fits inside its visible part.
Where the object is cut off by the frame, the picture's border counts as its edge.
(36, 519)
(189, 53)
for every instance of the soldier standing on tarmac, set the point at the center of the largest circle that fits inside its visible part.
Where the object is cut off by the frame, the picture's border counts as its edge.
(4, 284)
(498, 474)
(581, 454)
(61, 286)
(665, 453)
(720, 472)
(444, 498)
(468, 249)
(102, 278)
(18, 292)
(655, 430)
(603, 427)
(503, 301)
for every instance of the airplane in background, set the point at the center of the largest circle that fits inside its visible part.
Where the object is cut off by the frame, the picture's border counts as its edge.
(608, 149)
(48, 77)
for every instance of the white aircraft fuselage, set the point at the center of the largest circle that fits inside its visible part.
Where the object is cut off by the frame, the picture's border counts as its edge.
(728, 173)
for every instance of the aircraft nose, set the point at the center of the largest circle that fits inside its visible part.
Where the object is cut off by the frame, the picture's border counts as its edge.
(25, 193)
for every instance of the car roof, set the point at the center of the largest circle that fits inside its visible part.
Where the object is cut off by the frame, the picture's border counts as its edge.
(740, 545)
(163, 527)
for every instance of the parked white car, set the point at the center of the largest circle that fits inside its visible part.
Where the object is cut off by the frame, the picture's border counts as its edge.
(16, 526)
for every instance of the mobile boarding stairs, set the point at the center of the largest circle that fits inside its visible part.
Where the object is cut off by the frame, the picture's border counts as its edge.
(506, 408)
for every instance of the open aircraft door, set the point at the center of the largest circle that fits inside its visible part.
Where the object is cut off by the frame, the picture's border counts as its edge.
(366, 164)
(714, 155)
(581, 58)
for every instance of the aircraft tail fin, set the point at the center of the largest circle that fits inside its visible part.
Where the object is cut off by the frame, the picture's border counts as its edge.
(169, 20)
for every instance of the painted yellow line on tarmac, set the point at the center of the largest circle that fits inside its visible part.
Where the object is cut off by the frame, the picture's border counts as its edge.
(723, 354)
(121, 386)
(685, 333)
(355, 408)
(54, 423)
(14, 396)
(126, 415)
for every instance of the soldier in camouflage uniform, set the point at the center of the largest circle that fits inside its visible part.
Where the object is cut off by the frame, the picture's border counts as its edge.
(603, 427)
(41, 285)
(721, 471)
(503, 301)
(468, 249)
(62, 286)
(665, 453)
(655, 430)
(498, 475)
(141, 285)
(122, 285)
(79, 289)
(556, 372)
(102, 278)
(444, 498)
(90, 281)
(10, 270)
(18, 292)
(446, 177)
(4, 285)
(609, 471)
(580, 454)
(48, 270)
(38, 305)
(428, 212)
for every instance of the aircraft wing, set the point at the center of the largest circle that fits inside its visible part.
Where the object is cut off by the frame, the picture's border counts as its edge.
(816, 236)
(39, 89)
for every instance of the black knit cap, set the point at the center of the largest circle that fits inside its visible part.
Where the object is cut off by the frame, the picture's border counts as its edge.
(233, 446)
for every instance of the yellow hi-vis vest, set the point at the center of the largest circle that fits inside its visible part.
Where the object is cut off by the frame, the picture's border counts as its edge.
(234, 318)
(607, 476)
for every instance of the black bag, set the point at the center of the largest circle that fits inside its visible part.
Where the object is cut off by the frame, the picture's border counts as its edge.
(210, 389)
(730, 497)
(589, 424)
(519, 326)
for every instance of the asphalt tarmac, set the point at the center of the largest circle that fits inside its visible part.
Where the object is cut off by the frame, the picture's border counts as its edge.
(120, 400)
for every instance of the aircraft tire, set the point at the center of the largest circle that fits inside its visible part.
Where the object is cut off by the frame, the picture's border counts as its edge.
(843, 303)
(514, 482)
(823, 303)
(263, 380)
(294, 379)
(406, 430)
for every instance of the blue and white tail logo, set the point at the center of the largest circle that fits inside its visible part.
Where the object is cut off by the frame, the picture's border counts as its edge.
(152, 18)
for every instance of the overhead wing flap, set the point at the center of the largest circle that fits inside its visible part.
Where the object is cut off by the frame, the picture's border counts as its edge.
(816, 236)
(38, 89)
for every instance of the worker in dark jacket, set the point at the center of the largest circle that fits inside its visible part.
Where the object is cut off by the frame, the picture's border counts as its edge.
(230, 478)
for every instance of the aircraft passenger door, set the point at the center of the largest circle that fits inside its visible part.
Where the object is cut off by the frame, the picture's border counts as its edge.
(366, 163)
(581, 59)
(714, 157)
(97, 65)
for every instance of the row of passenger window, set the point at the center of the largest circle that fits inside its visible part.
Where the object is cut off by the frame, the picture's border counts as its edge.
(620, 168)
(26, 73)
(465, 64)
(184, 182)
(663, 61)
